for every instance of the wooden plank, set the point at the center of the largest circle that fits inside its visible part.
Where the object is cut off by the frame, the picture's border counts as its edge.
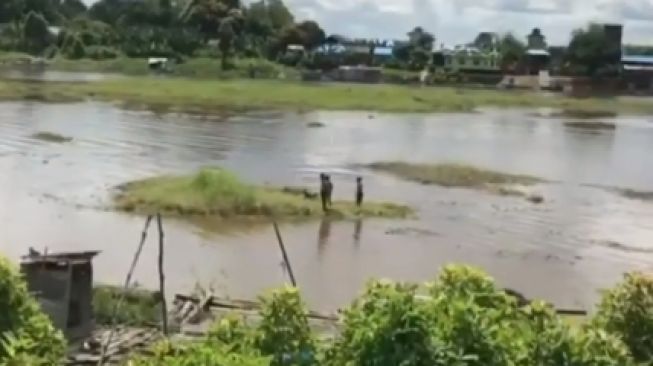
(245, 305)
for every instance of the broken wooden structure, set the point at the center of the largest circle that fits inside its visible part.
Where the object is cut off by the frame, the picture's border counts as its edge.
(63, 285)
(194, 315)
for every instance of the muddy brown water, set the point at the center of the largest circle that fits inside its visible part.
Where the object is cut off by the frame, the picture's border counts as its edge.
(581, 239)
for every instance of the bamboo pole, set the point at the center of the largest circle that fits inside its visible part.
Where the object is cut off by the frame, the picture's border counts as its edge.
(118, 304)
(286, 261)
(164, 305)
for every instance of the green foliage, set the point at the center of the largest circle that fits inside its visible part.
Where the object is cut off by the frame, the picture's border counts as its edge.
(627, 312)
(511, 50)
(26, 334)
(73, 47)
(591, 53)
(101, 53)
(284, 332)
(139, 307)
(207, 353)
(387, 325)
(36, 35)
(464, 319)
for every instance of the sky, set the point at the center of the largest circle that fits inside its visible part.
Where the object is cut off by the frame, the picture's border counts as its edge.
(459, 21)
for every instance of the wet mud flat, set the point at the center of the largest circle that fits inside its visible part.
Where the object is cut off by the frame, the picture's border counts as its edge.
(554, 250)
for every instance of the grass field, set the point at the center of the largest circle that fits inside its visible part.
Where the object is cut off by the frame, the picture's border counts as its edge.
(217, 192)
(198, 95)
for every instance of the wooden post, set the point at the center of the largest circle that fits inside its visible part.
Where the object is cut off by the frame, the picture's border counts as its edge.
(125, 287)
(162, 280)
(286, 261)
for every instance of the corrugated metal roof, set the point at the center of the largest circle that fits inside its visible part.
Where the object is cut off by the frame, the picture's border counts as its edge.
(637, 59)
(382, 51)
(538, 53)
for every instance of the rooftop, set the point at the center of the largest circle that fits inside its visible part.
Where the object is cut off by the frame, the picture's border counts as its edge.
(62, 257)
(634, 59)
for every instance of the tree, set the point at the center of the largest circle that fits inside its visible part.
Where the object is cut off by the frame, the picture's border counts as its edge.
(72, 8)
(511, 51)
(312, 35)
(280, 16)
(419, 38)
(591, 53)
(485, 41)
(207, 15)
(35, 32)
(417, 51)
(226, 36)
(11, 10)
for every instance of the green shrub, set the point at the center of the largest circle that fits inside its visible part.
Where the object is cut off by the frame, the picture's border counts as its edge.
(284, 332)
(464, 319)
(204, 353)
(25, 332)
(627, 312)
(101, 53)
(73, 47)
(139, 307)
(387, 325)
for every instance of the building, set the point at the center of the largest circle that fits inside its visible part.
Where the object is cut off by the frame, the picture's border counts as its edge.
(614, 34)
(63, 285)
(468, 59)
(637, 73)
(537, 60)
(382, 54)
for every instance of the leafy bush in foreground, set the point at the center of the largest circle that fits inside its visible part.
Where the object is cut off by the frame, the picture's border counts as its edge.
(627, 312)
(26, 334)
(462, 319)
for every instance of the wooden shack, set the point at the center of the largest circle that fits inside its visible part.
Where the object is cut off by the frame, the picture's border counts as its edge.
(63, 285)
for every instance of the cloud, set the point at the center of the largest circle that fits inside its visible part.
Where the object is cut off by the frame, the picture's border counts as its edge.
(459, 21)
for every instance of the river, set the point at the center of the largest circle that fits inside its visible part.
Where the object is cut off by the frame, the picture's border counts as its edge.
(581, 239)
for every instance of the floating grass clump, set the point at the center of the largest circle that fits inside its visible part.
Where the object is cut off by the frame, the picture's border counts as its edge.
(464, 176)
(51, 137)
(453, 175)
(217, 192)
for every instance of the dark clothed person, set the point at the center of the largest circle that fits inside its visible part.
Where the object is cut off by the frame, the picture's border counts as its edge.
(359, 191)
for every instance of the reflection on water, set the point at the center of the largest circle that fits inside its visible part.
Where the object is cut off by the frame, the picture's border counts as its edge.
(557, 250)
(358, 227)
(323, 234)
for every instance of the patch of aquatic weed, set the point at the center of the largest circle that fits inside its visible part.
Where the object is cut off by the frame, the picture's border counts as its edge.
(594, 126)
(51, 137)
(452, 175)
(217, 192)
(464, 176)
(625, 192)
(585, 113)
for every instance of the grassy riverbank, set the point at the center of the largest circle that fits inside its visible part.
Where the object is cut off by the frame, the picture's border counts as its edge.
(196, 95)
(216, 192)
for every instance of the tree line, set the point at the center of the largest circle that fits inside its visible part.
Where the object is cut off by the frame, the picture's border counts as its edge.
(262, 29)
(147, 28)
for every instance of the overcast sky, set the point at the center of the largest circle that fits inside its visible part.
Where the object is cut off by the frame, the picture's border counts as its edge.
(458, 21)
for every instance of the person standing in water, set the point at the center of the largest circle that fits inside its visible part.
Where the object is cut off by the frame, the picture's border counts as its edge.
(359, 191)
(323, 191)
(329, 191)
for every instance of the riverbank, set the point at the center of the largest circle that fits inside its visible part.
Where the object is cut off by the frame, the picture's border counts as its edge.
(216, 192)
(208, 96)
